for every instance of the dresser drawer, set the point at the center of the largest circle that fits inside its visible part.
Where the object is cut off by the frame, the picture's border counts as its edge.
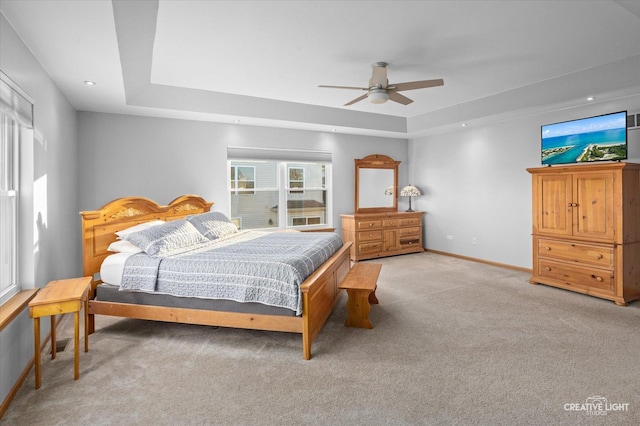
(390, 223)
(409, 241)
(370, 248)
(409, 232)
(369, 224)
(369, 236)
(576, 275)
(576, 252)
(408, 221)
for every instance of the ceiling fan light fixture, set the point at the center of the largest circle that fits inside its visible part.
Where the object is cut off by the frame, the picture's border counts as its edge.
(378, 96)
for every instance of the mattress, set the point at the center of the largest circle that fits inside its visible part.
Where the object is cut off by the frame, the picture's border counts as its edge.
(111, 275)
(111, 293)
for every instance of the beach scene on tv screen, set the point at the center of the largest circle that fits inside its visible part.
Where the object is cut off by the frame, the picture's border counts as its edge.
(598, 138)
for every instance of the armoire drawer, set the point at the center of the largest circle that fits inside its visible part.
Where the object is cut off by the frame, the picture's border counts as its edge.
(370, 236)
(577, 252)
(576, 275)
(369, 224)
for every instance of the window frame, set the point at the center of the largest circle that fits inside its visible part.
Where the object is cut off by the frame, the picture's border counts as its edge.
(16, 115)
(284, 190)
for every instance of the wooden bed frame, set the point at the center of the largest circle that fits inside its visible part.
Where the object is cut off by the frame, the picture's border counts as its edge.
(320, 291)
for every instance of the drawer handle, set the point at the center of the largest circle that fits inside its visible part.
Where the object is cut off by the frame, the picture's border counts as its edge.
(371, 224)
(599, 279)
(548, 248)
(600, 256)
(547, 268)
(370, 235)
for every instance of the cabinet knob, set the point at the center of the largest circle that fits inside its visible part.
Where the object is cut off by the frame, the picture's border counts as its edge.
(547, 268)
(599, 279)
(600, 256)
(548, 248)
(371, 224)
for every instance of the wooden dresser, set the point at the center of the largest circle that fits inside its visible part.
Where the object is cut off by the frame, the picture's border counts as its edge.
(382, 234)
(586, 229)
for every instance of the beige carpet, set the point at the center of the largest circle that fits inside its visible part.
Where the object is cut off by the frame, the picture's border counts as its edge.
(454, 343)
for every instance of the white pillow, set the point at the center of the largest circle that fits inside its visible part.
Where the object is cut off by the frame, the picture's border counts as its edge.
(123, 246)
(139, 227)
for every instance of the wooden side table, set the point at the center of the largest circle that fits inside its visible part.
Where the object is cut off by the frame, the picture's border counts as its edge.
(61, 297)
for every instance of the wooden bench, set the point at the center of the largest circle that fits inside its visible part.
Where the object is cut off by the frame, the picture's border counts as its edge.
(361, 283)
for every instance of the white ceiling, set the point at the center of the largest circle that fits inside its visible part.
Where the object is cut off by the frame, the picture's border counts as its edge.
(260, 62)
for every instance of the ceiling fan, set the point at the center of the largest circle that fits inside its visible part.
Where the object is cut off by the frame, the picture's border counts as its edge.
(379, 90)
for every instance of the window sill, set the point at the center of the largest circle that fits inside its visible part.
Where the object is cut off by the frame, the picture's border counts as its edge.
(318, 230)
(15, 305)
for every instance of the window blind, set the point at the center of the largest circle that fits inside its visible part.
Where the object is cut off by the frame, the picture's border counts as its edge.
(255, 153)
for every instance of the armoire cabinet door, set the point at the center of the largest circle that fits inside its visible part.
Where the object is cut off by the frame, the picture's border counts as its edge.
(553, 204)
(594, 209)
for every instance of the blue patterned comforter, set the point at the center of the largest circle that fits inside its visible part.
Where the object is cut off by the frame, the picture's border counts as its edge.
(266, 268)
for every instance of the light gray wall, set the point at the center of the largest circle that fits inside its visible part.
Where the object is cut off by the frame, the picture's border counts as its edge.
(161, 159)
(476, 184)
(49, 225)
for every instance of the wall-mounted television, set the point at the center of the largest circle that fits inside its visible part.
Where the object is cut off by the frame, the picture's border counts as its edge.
(598, 138)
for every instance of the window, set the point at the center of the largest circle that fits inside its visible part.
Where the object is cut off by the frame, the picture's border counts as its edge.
(301, 221)
(296, 178)
(243, 179)
(16, 112)
(299, 186)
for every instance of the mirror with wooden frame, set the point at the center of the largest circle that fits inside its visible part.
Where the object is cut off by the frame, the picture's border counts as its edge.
(376, 184)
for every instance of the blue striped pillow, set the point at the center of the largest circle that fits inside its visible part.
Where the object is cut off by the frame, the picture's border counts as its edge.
(213, 225)
(162, 239)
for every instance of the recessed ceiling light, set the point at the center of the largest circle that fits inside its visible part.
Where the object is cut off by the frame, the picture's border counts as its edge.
(90, 83)
(236, 121)
(464, 124)
(591, 98)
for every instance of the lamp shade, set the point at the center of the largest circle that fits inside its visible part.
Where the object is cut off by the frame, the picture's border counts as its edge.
(409, 191)
(378, 96)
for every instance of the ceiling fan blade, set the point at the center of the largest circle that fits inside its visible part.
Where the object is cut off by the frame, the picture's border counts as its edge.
(358, 99)
(411, 85)
(343, 87)
(397, 97)
(379, 75)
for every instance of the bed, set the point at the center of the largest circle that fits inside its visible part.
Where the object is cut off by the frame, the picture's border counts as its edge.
(318, 293)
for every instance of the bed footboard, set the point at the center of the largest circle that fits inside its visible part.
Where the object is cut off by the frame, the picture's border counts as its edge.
(320, 293)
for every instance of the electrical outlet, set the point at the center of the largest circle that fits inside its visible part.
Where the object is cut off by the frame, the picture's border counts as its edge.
(449, 237)
(474, 241)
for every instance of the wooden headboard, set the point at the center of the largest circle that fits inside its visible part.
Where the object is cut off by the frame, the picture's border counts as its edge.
(99, 227)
